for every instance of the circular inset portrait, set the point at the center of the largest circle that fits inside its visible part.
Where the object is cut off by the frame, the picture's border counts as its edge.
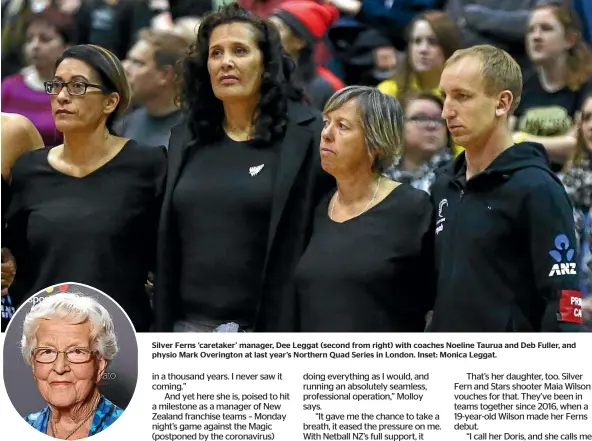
(70, 361)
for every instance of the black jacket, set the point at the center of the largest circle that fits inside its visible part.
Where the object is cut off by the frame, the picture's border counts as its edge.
(505, 247)
(299, 186)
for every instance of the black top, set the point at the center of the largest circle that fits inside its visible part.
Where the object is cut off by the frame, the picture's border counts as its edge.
(98, 230)
(505, 247)
(534, 96)
(148, 129)
(370, 273)
(297, 190)
(222, 207)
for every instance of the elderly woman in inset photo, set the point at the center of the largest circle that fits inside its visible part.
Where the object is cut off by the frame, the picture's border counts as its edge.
(68, 340)
(368, 267)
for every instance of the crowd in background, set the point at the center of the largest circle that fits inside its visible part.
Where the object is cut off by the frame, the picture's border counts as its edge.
(397, 46)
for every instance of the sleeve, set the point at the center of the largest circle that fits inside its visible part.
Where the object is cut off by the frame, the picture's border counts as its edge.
(509, 26)
(553, 254)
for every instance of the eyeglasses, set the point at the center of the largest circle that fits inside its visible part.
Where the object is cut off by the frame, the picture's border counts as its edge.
(426, 120)
(73, 355)
(74, 87)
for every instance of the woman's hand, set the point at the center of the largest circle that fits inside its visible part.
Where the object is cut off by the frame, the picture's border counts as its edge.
(8, 269)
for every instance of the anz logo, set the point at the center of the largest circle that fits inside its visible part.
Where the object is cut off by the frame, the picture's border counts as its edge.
(563, 255)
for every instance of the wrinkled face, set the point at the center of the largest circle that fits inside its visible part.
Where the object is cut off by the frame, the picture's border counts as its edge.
(44, 45)
(74, 113)
(292, 44)
(146, 79)
(545, 38)
(63, 384)
(426, 52)
(235, 63)
(469, 112)
(587, 123)
(425, 129)
(343, 144)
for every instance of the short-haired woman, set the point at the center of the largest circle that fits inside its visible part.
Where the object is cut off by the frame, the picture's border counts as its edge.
(87, 211)
(68, 340)
(244, 178)
(368, 267)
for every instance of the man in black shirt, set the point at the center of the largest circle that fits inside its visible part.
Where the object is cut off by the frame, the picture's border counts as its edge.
(150, 68)
(505, 240)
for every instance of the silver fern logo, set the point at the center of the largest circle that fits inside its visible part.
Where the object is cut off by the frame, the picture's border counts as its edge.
(256, 169)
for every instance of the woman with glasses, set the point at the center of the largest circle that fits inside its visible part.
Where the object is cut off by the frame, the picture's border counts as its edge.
(427, 144)
(68, 340)
(87, 211)
(368, 265)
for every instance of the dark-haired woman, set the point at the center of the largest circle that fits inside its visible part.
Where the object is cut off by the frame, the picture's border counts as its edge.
(244, 178)
(86, 211)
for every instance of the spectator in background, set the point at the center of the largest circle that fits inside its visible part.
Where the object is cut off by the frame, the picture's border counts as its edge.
(390, 17)
(554, 92)
(151, 71)
(115, 24)
(361, 56)
(301, 24)
(432, 38)
(501, 23)
(15, 16)
(578, 174)
(48, 34)
(427, 143)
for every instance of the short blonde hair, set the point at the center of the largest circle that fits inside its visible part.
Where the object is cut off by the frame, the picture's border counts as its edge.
(381, 117)
(498, 69)
(74, 308)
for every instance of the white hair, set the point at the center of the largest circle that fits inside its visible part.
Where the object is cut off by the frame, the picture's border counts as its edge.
(73, 308)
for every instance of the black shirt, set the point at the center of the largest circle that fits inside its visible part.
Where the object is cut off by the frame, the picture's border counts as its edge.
(504, 247)
(534, 96)
(99, 230)
(371, 273)
(222, 208)
(148, 129)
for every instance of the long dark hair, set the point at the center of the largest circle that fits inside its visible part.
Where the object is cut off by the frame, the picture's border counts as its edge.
(205, 112)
